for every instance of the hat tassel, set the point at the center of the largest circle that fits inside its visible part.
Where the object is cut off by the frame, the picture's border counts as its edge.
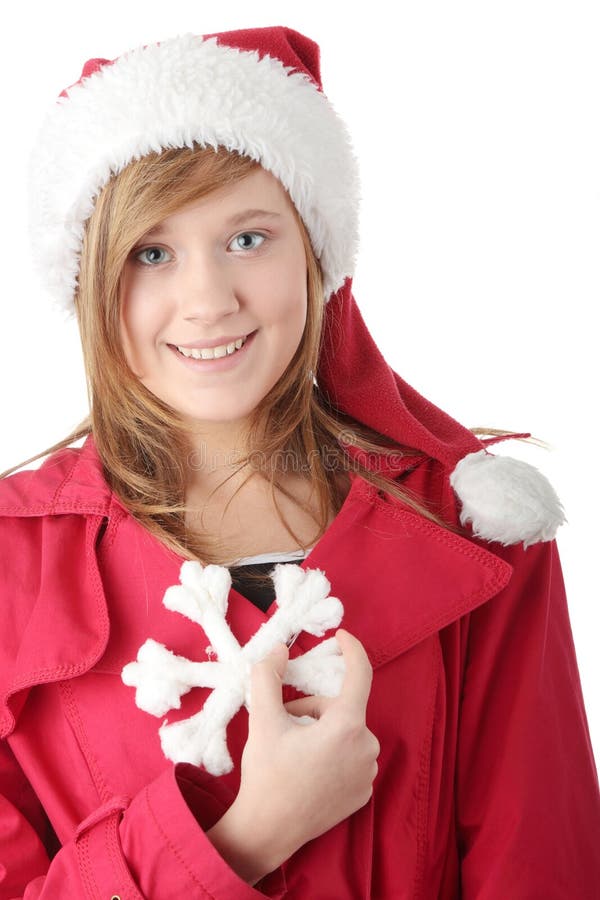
(506, 500)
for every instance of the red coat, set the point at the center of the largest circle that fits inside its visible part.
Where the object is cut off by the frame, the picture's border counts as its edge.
(487, 786)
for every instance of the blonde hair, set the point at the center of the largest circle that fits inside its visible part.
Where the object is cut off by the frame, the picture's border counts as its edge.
(144, 444)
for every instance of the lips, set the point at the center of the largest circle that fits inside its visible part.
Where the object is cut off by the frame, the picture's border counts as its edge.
(229, 361)
(221, 356)
(222, 342)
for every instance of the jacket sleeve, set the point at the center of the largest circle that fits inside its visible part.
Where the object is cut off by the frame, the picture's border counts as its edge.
(527, 796)
(153, 846)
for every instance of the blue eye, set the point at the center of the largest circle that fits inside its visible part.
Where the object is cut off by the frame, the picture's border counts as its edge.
(139, 255)
(152, 262)
(245, 234)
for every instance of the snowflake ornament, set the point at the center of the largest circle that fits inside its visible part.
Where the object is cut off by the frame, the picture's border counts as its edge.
(161, 677)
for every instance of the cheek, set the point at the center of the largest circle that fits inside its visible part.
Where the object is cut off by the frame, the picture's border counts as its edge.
(282, 293)
(134, 331)
(125, 330)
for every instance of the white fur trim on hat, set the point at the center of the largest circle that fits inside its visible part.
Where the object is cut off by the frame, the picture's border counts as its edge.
(506, 500)
(185, 90)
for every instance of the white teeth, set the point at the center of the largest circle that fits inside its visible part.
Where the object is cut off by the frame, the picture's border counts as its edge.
(213, 352)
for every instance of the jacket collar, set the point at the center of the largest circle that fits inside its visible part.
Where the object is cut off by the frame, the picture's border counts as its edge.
(70, 480)
(400, 577)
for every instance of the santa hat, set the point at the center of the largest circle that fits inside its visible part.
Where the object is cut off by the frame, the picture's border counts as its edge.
(258, 91)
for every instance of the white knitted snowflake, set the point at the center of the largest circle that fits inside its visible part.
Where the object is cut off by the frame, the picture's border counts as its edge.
(161, 678)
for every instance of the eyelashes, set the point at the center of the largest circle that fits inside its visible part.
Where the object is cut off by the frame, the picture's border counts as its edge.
(254, 234)
(137, 254)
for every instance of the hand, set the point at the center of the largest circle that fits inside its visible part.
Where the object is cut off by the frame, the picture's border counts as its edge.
(298, 780)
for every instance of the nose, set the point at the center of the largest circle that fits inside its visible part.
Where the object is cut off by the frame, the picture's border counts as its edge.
(207, 293)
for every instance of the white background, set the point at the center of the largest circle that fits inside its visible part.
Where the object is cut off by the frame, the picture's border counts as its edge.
(477, 129)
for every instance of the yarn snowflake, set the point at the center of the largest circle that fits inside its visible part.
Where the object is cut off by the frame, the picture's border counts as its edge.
(161, 677)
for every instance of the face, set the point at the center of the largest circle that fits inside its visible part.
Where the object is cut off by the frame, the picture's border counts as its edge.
(213, 273)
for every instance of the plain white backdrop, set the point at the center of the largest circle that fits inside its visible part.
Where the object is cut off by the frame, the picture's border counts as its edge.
(477, 129)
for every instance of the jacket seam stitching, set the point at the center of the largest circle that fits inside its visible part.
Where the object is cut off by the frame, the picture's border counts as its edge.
(85, 867)
(50, 509)
(425, 779)
(435, 531)
(57, 672)
(383, 652)
(115, 852)
(66, 692)
(174, 849)
(65, 481)
(113, 522)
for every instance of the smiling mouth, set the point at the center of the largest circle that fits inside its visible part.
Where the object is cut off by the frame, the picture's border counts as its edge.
(212, 352)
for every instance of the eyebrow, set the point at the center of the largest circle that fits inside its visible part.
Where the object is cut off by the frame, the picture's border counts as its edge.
(251, 214)
(238, 219)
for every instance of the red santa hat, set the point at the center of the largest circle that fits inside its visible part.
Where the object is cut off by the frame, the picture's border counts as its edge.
(258, 91)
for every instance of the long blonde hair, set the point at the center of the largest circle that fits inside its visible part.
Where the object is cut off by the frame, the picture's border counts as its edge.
(144, 444)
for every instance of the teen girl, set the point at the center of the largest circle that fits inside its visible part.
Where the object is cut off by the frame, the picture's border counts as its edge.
(194, 204)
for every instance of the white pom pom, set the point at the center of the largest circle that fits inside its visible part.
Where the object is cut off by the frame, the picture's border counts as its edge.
(506, 500)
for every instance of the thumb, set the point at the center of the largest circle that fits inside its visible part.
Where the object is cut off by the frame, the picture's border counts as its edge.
(265, 685)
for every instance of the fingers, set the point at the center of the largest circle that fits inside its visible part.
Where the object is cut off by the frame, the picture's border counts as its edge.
(265, 687)
(308, 706)
(358, 676)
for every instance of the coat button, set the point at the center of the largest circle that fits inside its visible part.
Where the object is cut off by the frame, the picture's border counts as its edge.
(115, 897)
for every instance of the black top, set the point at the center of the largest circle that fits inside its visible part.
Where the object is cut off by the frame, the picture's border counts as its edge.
(260, 596)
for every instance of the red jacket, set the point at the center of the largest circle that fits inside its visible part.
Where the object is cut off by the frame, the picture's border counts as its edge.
(487, 786)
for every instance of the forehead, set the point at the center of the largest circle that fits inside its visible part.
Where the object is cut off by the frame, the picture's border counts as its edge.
(258, 195)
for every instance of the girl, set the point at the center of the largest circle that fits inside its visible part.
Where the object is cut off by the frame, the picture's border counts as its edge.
(253, 475)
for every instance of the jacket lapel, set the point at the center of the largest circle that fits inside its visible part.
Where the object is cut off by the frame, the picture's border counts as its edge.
(56, 624)
(403, 577)
(399, 577)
